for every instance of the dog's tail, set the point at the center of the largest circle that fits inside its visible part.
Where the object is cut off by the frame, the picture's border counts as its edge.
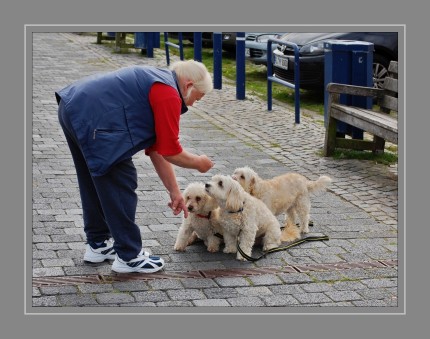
(318, 185)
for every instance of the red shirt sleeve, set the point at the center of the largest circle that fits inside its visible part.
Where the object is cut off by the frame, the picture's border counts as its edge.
(166, 105)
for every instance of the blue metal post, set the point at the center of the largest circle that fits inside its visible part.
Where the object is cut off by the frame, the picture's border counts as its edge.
(297, 85)
(269, 75)
(181, 46)
(240, 65)
(217, 47)
(198, 46)
(166, 47)
(271, 78)
(149, 44)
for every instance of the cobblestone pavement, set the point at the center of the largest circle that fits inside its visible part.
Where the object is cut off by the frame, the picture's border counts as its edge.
(357, 267)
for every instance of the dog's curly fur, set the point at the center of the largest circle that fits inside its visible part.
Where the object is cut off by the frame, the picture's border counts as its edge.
(242, 217)
(202, 221)
(287, 193)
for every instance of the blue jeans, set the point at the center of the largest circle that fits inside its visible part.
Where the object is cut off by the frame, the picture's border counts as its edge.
(108, 201)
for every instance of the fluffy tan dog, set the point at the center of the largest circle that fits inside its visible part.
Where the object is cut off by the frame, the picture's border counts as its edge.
(202, 221)
(242, 217)
(287, 193)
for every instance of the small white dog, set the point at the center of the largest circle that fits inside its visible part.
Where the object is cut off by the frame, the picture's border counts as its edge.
(287, 193)
(242, 217)
(202, 221)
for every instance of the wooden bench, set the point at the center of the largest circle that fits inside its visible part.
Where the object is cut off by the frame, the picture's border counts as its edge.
(381, 123)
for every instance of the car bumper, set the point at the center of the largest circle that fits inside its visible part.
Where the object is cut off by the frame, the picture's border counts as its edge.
(256, 52)
(311, 70)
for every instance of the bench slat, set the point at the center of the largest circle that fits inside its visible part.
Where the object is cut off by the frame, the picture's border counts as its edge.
(390, 84)
(376, 123)
(389, 102)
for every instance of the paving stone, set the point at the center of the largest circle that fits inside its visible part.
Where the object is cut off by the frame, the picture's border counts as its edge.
(77, 300)
(45, 301)
(246, 301)
(220, 293)
(188, 294)
(128, 286)
(95, 288)
(266, 279)
(53, 290)
(114, 298)
(279, 300)
(198, 283)
(211, 302)
(316, 287)
(343, 295)
(152, 296)
(314, 298)
(175, 303)
(231, 282)
(165, 284)
(254, 291)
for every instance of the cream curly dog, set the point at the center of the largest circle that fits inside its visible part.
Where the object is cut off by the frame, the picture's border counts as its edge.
(287, 193)
(242, 217)
(202, 221)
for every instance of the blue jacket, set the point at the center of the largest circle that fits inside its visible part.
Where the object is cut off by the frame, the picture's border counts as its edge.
(110, 114)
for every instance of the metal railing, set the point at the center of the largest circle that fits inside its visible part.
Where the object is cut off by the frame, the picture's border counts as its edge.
(271, 78)
(168, 44)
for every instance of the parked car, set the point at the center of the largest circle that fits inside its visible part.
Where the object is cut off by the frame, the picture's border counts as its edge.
(256, 46)
(228, 40)
(311, 51)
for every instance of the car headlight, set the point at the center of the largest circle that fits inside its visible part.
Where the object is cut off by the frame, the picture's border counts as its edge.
(264, 37)
(316, 48)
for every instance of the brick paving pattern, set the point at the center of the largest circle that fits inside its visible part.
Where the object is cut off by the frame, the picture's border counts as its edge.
(358, 212)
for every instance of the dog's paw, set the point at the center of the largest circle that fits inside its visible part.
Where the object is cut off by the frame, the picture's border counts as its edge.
(230, 250)
(239, 257)
(179, 248)
(267, 247)
(213, 249)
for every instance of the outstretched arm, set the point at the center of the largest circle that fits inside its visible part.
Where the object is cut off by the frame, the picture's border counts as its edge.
(188, 160)
(167, 175)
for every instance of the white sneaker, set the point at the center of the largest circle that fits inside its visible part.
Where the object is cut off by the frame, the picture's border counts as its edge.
(143, 263)
(101, 253)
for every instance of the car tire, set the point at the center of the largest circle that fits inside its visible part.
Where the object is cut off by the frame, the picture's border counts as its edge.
(380, 70)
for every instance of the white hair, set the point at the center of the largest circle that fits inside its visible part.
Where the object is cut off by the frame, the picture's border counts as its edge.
(193, 71)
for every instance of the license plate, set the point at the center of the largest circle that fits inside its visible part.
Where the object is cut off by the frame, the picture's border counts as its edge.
(281, 62)
(247, 53)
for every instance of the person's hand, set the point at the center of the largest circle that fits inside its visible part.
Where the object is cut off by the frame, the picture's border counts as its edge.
(177, 204)
(205, 164)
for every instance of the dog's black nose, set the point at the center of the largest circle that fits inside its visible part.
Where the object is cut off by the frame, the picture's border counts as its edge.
(207, 185)
(190, 208)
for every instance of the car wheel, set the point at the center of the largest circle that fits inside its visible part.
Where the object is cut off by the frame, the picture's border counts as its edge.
(380, 70)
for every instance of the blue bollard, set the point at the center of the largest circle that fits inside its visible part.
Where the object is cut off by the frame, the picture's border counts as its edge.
(217, 48)
(150, 44)
(240, 65)
(198, 46)
(348, 62)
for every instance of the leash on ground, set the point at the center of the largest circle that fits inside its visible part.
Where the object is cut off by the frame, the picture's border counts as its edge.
(283, 248)
(280, 248)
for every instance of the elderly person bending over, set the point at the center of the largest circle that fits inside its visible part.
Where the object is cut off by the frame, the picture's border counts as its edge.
(106, 119)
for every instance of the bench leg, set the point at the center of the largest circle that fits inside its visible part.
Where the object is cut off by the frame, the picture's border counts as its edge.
(379, 145)
(330, 137)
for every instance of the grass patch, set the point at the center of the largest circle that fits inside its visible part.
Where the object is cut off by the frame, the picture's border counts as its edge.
(387, 158)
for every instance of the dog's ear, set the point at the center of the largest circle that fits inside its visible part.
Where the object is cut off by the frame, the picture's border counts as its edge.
(251, 186)
(235, 197)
